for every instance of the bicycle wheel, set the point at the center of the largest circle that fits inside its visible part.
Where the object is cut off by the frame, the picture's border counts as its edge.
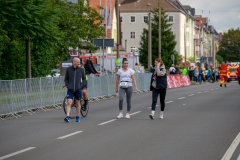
(73, 110)
(84, 113)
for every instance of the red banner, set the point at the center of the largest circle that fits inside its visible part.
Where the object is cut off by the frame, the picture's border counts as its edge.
(169, 83)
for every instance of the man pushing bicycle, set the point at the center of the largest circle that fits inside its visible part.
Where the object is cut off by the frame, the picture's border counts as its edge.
(75, 79)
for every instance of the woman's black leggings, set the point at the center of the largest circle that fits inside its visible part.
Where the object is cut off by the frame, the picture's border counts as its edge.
(155, 93)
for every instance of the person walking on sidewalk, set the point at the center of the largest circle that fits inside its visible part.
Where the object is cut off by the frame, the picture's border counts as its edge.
(125, 76)
(158, 86)
(238, 73)
(223, 74)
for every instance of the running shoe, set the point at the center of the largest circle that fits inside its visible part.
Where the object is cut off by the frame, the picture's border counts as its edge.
(66, 119)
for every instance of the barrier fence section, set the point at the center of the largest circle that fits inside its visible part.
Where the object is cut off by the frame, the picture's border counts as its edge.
(28, 95)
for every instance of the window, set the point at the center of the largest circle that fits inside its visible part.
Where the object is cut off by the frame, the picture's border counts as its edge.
(145, 19)
(132, 34)
(121, 19)
(133, 49)
(170, 18)
(132, 19)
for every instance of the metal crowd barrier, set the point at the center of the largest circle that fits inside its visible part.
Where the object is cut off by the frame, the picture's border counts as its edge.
(30, 95)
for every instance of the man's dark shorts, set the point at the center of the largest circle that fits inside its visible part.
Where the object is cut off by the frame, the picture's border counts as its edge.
(77, 95)
(85, 86)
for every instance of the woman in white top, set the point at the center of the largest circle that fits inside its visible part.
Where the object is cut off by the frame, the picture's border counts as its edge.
(172, 69)
(125, 76)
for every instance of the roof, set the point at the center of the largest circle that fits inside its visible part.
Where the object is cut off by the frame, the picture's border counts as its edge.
(190, 9)
(146, 5)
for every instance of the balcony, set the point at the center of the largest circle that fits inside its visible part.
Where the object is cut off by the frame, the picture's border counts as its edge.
(196, 36)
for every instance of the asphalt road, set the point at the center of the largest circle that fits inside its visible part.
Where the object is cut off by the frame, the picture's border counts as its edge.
(200, 123)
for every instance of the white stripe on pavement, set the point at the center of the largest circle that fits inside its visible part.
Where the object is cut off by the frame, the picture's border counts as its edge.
(191, 95)
(134, 113)
(206, 91)
(232, 148)
(107, 122)
(169, 102)
(238, 157)
(212, 89)
(18, 152)
(182, 98)
(199, 92)
(72, 134)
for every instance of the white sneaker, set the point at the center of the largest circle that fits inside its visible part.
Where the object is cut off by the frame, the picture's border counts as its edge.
(151, 116)
(120, 115)
(161, 115)
(127, 116)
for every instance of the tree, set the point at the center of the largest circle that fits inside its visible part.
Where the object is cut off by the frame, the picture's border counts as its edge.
(229, 48)
(168, 42)
(51, 26)
(190, 59)
(219, 59)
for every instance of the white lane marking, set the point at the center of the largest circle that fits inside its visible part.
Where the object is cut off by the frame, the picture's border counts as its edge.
(199, 92)
(72, 134)
(18, 152)
(107, 122)
(169, 102)
(232, 148)
(182, 98)
(191, 95)
(238, 157)
(134, 113)
(212, 89)
(184, 104)
(206, 91)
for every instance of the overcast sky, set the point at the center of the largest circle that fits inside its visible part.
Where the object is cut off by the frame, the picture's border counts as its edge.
(224, 14)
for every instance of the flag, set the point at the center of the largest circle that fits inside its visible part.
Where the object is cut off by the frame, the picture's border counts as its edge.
(104, 10)
(109, 20)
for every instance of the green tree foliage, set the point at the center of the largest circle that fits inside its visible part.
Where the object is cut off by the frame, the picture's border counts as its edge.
(168, 42)
(229, 48)
(219, 59)
(52, 27)
(190, 59)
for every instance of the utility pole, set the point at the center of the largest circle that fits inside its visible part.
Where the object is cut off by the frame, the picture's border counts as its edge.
(118, 25)
(159, 33)
(125, 45)
(185, 50)
(149, 41)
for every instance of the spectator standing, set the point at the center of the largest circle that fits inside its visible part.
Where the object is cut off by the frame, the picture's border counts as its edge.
(184, 71)
(196, 74)
(172, 69)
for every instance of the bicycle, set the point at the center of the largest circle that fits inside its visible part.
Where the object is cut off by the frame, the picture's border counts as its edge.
(73, 110)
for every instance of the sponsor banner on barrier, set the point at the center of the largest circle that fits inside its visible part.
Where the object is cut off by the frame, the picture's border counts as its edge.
(176, 81)
(172, 81)
(183, 80)
(188, 80)
(169, 83)
(179, 80)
